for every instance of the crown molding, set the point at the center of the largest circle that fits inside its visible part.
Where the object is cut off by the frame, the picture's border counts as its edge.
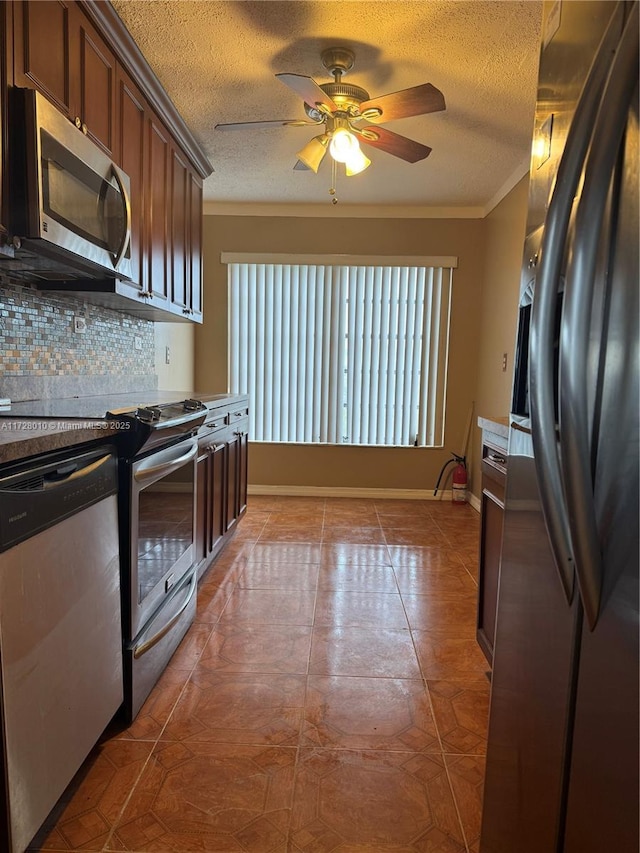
(213, 208)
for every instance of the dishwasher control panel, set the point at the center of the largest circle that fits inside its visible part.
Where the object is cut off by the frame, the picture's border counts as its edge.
(36, 495)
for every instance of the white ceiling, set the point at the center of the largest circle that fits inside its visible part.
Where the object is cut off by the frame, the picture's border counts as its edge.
(217, 62)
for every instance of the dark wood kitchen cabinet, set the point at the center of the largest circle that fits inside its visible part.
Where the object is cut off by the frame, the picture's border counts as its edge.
(79, 54)
(494, 480)
(185, 229)
(131, 115)
(242, 433)
(166, 208)
(237, 443)
(221, 481)
(6, 50)
(61, 54)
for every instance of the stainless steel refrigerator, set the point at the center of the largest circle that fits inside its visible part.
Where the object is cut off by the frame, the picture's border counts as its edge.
(562, 757)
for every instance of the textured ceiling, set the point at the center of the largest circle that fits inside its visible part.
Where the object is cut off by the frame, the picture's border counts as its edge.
(217, 62)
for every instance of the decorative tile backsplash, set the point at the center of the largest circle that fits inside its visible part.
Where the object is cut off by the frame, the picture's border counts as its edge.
(38, 342)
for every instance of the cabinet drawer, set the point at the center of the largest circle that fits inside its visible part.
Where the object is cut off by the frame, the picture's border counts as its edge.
(215, 422)
(238, 414)
(494, 462)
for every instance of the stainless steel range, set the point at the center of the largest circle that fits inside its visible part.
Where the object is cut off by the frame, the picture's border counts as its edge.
(157, 452)
(157, 527)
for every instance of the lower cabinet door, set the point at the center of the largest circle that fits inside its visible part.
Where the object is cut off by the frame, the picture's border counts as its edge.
(217, 483)
(202, 506)
(233, 458)
(243, 461)
(492, 517)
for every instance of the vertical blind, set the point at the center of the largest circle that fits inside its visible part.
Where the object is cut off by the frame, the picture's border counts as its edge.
(341, 354)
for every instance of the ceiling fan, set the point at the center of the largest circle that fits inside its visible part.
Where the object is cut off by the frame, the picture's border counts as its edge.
(349, 115)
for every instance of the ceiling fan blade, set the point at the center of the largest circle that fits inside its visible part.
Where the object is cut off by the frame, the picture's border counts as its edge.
(255, 125)
(308, 89)
(313, 152)
(393, 143)
(408, 102)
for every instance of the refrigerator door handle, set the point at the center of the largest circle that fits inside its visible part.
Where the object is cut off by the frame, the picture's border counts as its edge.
(575, 449)
(552, 255)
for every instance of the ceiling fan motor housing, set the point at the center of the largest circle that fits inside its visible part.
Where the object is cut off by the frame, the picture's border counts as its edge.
(338, 60)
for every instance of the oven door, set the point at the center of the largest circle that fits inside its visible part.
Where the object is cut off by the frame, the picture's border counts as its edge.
(162, 528)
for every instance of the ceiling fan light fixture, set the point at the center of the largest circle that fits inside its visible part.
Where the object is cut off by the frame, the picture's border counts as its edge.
(357, 163)
(344, 145)
(313, 152)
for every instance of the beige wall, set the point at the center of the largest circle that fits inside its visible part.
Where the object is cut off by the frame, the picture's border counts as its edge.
(393, 468)
(504, 235)
(178, 374)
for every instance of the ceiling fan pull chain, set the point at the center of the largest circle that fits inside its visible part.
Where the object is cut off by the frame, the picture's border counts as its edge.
(334, 181)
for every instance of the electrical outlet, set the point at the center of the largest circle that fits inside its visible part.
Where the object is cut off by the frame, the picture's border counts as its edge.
(137, 342)
(80, 325)
(504, 362)
(167, 355)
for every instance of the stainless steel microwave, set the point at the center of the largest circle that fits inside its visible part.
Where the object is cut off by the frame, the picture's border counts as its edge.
(70, 209)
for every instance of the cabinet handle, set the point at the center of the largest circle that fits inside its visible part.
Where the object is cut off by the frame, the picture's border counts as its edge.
(495, 458)
(78, 122)
(84, 128)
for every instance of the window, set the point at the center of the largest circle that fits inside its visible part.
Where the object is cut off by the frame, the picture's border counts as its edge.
(341, 353)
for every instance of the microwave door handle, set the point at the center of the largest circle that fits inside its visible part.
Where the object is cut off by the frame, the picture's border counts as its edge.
(575, 451)
(126, 205)
(552, 252)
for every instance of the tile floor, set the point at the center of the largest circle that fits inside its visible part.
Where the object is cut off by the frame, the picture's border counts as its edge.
(330, 698)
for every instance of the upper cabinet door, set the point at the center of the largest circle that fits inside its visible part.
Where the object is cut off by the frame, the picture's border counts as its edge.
(59, 53)
(96, 79)
(195, 251)
(130, 155)
(157, 207)
(43, 45)
(178, 214)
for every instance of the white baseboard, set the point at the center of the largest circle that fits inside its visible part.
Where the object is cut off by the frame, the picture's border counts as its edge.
(473, 501)
(337, 492)
(350, 492)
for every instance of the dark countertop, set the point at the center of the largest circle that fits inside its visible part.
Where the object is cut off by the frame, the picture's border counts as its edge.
(498, 426)
(97, 407)
(33, 427)
(20, 439)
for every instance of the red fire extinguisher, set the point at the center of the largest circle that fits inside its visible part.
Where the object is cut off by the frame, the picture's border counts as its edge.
(458, 480)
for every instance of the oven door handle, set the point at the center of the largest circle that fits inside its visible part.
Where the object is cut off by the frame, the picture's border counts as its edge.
(143, 474)
(142, 648)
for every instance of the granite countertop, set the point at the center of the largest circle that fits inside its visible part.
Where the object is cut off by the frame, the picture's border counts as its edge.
(96, 407)
(497, 425)
(20, 439)
(32, 427)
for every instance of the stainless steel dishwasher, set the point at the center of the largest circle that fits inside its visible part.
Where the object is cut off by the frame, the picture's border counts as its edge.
(60, 627)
